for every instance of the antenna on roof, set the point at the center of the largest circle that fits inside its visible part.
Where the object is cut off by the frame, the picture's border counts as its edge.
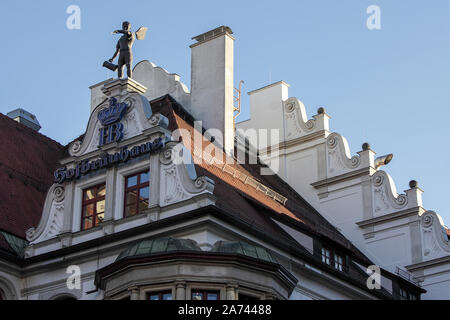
(237, 102)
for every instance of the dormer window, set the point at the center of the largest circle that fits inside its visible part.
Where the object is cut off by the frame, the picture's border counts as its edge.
(93, 206)
(137, 193)
(333, 258)
(338, 262)
(407, 295)
(326, 256)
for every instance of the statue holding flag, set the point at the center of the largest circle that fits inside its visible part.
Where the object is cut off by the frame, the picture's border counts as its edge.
(124, 49)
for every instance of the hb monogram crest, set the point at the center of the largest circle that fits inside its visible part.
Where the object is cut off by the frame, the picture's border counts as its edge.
(110, 118)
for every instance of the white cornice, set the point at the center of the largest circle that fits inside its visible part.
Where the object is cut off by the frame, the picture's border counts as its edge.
(269, 86)
(390, 217)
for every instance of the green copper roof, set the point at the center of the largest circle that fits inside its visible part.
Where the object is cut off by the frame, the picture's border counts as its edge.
(149, 247)
(16, 243)
(164, 245)
(239, 247)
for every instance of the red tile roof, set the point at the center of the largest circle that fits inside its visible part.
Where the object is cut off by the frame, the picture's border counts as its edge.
(27, 162)
(231, 192)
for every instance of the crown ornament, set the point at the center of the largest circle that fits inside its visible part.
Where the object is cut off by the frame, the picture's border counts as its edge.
(113, 113)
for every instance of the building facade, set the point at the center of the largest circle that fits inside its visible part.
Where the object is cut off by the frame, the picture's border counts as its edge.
(165, 197)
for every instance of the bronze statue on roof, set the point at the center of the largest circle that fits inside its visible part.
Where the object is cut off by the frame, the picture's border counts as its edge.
(124, 49)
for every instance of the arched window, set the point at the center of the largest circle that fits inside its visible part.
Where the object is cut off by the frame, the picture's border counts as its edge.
(7, 290)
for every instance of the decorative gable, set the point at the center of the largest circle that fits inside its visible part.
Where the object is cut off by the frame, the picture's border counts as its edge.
(122, 136)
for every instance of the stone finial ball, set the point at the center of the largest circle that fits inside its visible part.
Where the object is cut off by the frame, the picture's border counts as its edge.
(321, 110)
(366, 146)
(413, 184)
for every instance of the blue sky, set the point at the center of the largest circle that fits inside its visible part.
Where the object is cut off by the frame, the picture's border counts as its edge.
(390, 87)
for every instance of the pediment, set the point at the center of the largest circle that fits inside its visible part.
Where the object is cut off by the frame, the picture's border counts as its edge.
(133, 122)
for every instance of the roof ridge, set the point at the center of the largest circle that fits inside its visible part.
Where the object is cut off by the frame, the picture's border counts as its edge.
(247, 179)
(300, 208)
(31, 130)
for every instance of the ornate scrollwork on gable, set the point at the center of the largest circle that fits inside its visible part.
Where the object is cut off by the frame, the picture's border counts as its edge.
(297, 123)
(339, 158)
(51, 222)
(75, 147)
(177, 183)
(435, 241)
(131, 123)
(135, 121)
(158, 120)
(385, 196)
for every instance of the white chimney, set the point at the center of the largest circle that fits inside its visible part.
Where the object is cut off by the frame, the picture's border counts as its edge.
(212, 82)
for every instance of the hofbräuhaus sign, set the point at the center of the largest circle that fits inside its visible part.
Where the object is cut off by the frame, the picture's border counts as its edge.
(112, 131)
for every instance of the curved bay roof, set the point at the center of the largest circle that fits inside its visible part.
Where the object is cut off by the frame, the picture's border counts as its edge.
(243, 248)
(158, 246)
(165, 245)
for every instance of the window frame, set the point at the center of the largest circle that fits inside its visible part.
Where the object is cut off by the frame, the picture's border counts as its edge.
(408, 294)
(205, 293)
(339, 267)
(93, 201)
(137, 187)
(405, 296)
(324, 257)
(160, 294)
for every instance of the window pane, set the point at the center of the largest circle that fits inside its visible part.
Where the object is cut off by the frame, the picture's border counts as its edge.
(100, 206)
(131, 197)
(145, 177)
(87, 223)
(212, 296)
(326, 256)
(167, 296)
(154, 297)
(99, 219)
(89, 194)
(101, 191)
(144, 193)
(338, 262)
(197, 296)
(403, 294)
(130, 210)
(88, 210)
(143, 205)
(132, 181)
